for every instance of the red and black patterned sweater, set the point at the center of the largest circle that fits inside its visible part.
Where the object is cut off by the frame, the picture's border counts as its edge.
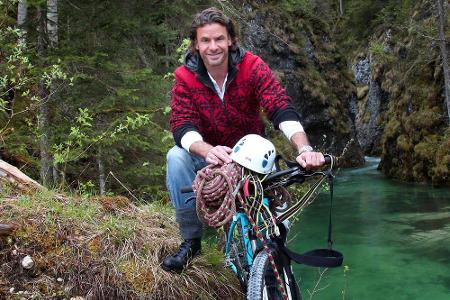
(251, 87)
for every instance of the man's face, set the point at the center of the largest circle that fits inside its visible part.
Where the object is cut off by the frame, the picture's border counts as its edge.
(212, 43)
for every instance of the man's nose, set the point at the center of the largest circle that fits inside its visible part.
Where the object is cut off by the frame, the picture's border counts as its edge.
(213, 45)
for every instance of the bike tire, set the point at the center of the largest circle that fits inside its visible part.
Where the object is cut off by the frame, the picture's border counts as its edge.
(262, 272)
(238, 255)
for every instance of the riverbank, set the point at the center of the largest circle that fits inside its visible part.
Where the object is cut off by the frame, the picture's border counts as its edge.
(99, 248)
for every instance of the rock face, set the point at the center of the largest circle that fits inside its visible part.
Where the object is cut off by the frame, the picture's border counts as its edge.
(361, 71)
(372, 102)
(415, 139)
(392, 104)
(313, 73)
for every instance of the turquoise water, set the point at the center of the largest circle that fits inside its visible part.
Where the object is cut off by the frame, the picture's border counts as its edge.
(395, 238)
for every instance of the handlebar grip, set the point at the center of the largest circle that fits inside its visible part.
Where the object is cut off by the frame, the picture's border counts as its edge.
(186, 189)
(330, 159)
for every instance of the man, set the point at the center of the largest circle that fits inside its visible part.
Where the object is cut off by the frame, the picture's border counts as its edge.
(216, 99)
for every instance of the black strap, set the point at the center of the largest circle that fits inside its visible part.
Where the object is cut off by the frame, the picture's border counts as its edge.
(316, 258)
(328, 258)
(330, 226)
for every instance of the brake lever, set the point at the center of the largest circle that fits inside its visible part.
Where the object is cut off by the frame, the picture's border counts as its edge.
(294, 177)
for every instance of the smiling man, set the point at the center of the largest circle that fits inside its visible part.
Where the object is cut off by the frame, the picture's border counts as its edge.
(217, 98)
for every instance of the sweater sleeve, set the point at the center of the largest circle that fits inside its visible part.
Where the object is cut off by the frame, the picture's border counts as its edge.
(184, 116)
(272, 96)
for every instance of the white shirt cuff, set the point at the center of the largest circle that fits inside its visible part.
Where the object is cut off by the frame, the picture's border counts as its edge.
(289, 128)
(189, 138)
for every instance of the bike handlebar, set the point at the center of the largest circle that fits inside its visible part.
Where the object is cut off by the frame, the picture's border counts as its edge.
(329, 160)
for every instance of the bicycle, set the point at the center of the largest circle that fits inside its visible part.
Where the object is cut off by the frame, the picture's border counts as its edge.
(255, 248)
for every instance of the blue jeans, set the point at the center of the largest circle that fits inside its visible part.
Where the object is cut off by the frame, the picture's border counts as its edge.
(181, 170)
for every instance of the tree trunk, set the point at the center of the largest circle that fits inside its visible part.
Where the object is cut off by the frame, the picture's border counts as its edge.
(43, 126)
(141, 52)
(22, 17)
(52, 35)
(341, 8)
(166, 44)
(167, 52)
(101, 172)
(43, 123)
(444, 53)
(52, 22)
(445, 6)
(55, 172)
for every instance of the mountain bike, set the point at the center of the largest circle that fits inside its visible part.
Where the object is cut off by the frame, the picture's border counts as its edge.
(255, 248)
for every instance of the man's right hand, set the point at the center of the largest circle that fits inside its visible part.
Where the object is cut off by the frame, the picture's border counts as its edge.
(219, 155)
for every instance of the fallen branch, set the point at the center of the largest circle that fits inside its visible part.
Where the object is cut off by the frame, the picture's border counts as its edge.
(13, 175)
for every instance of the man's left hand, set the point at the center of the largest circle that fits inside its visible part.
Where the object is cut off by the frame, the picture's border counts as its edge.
(310, 160)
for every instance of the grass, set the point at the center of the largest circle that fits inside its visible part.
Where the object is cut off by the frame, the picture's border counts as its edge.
(100, 247)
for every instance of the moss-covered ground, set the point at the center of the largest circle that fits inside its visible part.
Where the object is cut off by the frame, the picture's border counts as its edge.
(100, 248)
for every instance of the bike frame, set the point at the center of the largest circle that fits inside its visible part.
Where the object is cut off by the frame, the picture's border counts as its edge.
(249, 244)
(245, 229)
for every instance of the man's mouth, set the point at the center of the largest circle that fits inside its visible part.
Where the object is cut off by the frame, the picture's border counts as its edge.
(215, 55)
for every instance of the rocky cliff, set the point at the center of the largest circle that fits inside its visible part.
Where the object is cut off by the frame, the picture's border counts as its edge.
(372, 75)
(303, 56)
(403, 115)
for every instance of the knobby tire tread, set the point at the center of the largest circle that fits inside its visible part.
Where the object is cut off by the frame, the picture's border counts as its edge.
(256, 280)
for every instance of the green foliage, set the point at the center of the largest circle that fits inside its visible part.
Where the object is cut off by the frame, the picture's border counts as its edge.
(395, 13)
(20, 101)
(379, 53)
(119, 228)
(363, 20)
(307, 6)
(86, 189)
(182, 49)
(109, 95)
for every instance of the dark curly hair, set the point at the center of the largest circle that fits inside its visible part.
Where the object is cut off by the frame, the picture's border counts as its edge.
(209, 16)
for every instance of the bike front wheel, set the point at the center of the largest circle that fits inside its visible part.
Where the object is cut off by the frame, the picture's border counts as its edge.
(262, 283)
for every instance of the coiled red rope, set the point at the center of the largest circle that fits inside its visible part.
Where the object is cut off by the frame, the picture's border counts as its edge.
(214, 187)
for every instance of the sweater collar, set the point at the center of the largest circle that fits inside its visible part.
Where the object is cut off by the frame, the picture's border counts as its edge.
(195, 64)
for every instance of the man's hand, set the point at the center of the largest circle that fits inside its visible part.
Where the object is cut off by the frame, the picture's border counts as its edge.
(310, 160)
(219, 155)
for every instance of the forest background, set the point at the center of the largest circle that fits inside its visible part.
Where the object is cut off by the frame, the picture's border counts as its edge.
(84, 108)
(85, 85)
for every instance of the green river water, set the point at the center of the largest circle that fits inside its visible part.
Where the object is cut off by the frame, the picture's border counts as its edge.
(395, 238)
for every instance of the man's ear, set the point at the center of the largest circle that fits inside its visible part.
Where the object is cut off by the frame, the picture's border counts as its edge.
(229, 41)
(195, 44)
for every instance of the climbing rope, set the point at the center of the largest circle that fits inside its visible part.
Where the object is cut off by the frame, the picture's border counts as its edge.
(214, 187)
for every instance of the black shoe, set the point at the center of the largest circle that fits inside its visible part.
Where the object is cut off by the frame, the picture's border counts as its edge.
(177, 262)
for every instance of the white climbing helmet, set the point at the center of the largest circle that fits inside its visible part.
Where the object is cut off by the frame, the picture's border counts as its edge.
(255, 153)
